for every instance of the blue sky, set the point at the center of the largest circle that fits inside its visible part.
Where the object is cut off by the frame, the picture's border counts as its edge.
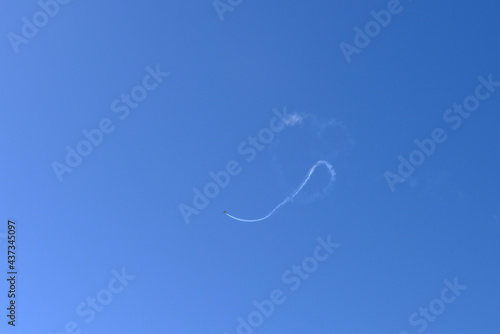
(110, 233)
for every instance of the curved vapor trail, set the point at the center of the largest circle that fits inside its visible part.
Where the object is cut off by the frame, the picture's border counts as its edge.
(294, 193)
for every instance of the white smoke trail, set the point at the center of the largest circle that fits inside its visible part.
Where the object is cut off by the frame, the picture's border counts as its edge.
(294, 193)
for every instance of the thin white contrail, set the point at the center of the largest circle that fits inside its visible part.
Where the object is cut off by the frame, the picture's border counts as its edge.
(294, 193)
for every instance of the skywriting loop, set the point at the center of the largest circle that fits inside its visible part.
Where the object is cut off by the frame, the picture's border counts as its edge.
(294, 193)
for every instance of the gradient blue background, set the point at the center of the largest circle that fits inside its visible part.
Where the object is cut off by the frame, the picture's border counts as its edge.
(119, 208)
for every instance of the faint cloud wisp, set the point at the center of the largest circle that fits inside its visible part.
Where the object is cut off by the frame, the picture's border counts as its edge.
(248, 148)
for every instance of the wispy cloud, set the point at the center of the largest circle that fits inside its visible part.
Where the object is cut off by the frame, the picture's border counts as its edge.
(294, 119)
